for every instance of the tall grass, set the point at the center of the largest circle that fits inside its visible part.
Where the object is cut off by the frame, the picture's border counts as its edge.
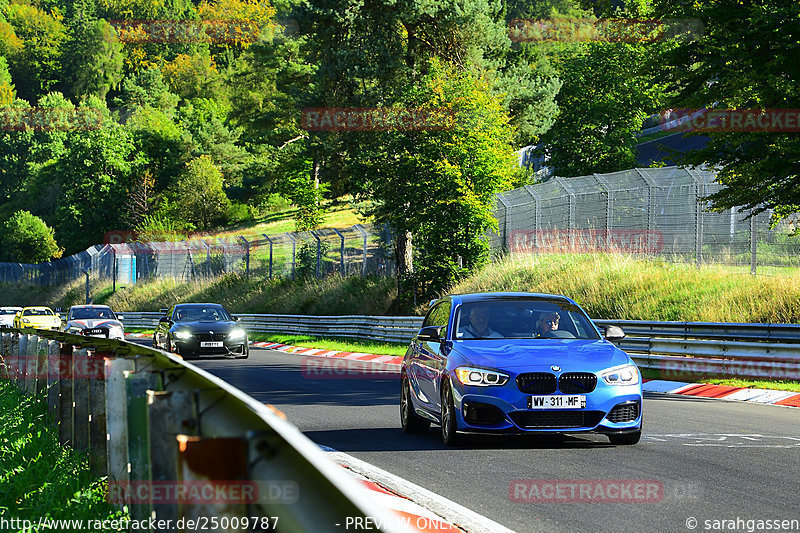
(628, 287)
(333, 295)
(40, 478)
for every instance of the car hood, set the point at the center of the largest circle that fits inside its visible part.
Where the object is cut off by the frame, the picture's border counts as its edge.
(205, 326)
(539, 354)
(40, 319)
(94, 323)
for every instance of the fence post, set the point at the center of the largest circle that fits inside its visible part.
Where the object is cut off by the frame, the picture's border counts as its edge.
(609, 207)
(42, 368)
(98, 439)
(319, 251)
(31, 364)
(341, 250)
(753, 243)
(568, 189)
(364, 237)
(80, 397)
(247, 255)
(54, 373)
(294, 250)
(537, 215)
(169, 414)
(136, 386)
(270, 253)
(117, 417)
(66, 403)
(504, 229)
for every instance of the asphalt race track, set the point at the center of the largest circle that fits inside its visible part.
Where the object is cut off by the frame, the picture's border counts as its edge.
(709, 459)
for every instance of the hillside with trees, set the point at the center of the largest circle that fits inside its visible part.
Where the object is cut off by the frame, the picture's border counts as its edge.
(167, 116)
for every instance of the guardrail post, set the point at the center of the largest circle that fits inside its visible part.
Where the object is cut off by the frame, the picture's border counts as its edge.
(136, 386)
(42, 368)
(53, 381)
(117, 418)
(66, 402)
(20, 360)
(80, 400)
(169, 414)
(270, 253)
(199, 462)
(98, 439)
(31, 364)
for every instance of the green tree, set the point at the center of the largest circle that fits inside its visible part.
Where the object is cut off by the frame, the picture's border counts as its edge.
(440, 186)
(93, 56)
(609, 89)
(7, 92)
(27, 239)
(35, 64)
(199, 194)
(745, 58)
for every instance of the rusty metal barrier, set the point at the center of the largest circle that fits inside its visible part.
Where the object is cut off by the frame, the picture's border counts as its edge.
(177, 443)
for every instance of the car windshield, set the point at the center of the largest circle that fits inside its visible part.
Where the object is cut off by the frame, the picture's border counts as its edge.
(37, 312)
(91, 313)
(205, 313)
(522, 318)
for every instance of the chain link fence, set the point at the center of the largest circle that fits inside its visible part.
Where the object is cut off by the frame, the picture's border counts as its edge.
(359, 250)
(653, 211)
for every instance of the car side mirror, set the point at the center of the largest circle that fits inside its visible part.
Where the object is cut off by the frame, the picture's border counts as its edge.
(19, 314)
(165, 320)
(430, 334)
(236, 318)
(614, 333)
(120, 317)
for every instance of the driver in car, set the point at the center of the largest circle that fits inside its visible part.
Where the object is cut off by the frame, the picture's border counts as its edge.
(547, 322)
(478, 327)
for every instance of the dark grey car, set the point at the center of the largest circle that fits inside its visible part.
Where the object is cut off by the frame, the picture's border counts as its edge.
(202, 329)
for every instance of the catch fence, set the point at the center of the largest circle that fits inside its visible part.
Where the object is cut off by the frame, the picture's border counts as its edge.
(653, 211)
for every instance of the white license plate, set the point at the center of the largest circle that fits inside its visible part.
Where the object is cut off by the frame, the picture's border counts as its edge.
(215, 344)
(557, 402)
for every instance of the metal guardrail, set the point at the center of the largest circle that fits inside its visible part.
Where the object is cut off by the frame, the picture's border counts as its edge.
(676, 350)
(156, 425)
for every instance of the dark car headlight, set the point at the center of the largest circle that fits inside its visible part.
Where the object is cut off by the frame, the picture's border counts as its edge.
(621, 375)
(480, 377)
(183, 335)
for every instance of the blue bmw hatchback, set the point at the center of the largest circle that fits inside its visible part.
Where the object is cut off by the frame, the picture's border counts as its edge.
(518, 363)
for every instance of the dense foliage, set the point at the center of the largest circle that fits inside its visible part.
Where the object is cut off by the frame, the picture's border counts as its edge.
(172, 115)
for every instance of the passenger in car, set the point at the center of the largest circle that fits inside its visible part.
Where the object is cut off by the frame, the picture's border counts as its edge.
(547, 322)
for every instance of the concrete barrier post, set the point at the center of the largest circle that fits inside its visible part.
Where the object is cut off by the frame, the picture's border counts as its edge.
(31, 365)
(136, 386)
(42, 368)
(66, 401)
(98, 437)
(80, 400)
(117, 418)
(53, 381)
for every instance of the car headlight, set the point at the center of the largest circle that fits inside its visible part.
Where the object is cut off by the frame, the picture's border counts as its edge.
(183, 335)
(26, 321)
(480, 376)
(238, 333)
(621, 375)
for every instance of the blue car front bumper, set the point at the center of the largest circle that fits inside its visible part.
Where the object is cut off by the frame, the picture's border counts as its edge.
(505, 409)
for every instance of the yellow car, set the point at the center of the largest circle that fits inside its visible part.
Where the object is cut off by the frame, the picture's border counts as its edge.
(37, 317)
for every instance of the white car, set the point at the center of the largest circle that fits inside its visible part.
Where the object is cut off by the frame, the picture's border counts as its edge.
(94, 321)
(7, 315)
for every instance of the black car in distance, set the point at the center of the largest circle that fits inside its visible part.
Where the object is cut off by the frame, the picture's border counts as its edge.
(196, 330)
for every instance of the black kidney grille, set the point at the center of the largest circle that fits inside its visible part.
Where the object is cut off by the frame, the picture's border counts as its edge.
(556, 419)
(537, 383)
(624, 412)
(204, 337)
(577, 382)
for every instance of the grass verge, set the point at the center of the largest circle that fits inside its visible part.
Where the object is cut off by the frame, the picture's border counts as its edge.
(333, 343)
(40, 478)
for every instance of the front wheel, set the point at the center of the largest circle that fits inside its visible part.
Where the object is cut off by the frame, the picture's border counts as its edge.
(449, 426)
(625, 439)
(408, 419)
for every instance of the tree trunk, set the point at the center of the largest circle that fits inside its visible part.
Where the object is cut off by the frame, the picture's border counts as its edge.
(404, 259)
